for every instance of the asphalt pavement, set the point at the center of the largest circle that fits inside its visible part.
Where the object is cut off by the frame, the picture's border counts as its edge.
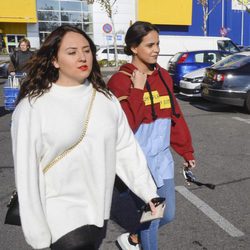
(206, 219)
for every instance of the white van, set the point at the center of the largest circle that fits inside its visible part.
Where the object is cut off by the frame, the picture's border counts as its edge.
(170, 45)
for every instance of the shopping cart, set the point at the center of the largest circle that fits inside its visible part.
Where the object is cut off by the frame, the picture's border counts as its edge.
(11, 90)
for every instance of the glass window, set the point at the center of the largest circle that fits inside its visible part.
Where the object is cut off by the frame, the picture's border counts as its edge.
(227, 45)
(79, 26)
(11, 39)
(47, 5)
(53, 13)
(199, 57)
(233, 61)
(43, 36)
(48, 26)
(87, 27)
(20, 37)
(221, 55)
(85, 6)
(71, 16)
(75, 6)
(120, 51)
(86, 17)
(48, 15)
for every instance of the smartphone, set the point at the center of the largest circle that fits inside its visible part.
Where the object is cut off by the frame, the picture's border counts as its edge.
(157, 201)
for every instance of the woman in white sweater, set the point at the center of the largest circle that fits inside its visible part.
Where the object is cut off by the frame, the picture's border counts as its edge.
(65, 197)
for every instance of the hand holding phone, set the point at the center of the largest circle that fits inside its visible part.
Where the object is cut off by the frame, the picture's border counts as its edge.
(148, 214)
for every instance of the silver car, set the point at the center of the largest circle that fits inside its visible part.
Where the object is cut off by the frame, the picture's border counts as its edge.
(190, 84)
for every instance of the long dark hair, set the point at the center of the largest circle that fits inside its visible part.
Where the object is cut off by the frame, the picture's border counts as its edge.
(135, 34)
(41, 71)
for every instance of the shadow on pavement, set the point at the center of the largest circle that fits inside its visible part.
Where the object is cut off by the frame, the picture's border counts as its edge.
(200, 103)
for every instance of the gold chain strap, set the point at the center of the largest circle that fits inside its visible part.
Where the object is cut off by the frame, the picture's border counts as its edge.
(67, 151)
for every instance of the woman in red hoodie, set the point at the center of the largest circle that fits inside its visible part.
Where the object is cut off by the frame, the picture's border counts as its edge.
(145, 91)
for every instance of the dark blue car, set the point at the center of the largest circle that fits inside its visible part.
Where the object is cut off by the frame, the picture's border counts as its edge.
(185, 62)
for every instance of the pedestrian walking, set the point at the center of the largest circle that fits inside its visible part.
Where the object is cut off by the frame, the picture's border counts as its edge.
(145, 91)
(70, 137)
(19, 58)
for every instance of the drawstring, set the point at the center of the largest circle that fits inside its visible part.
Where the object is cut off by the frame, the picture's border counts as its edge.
(170, 95)
(154, 116)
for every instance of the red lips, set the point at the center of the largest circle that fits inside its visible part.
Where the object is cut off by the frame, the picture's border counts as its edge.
(84, 68)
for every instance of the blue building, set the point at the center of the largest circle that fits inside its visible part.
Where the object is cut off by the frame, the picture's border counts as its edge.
(228, 14)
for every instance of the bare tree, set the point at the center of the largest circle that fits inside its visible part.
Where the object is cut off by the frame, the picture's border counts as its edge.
(207, 12)
(108, 7)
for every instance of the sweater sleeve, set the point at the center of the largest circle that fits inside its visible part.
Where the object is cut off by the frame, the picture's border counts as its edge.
(180, 138)
(131, 98)
(131, 165)
(27, 145)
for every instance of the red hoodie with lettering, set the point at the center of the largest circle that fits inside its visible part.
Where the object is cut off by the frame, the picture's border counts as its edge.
(143, 107)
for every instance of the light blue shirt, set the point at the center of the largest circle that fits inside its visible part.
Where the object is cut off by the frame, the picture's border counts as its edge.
(154, 139)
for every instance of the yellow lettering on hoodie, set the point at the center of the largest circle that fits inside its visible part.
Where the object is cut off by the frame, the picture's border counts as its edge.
(163, 100)
(146, 97)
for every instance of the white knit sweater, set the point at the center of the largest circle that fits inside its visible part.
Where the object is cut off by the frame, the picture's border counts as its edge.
(78, 189)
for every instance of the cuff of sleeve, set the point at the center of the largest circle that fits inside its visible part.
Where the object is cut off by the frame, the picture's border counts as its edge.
(188, 156)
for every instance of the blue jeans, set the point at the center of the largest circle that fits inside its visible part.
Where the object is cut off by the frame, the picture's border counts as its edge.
(149, 231)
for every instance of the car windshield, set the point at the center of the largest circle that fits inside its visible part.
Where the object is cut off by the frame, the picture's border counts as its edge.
(228, 45)
(229, 60)
(232, 62)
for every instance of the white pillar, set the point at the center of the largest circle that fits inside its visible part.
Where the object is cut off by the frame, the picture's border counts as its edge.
(222, 13)
(242, 25)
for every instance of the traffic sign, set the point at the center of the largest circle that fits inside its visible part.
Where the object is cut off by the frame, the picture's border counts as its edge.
(119, 37)
(109, 37)
(223, 31)
(107, 28)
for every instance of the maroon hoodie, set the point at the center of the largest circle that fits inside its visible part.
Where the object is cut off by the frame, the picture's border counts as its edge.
(141, 106)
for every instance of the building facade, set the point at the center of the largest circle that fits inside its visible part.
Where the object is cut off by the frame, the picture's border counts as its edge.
(35, 19)
(229, 18)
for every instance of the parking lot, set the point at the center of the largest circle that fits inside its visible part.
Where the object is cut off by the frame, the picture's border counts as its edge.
(205, 219)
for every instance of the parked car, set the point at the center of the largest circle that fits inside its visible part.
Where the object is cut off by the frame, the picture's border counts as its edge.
(190, 84)
(185, 62)
(171, 44)
(228, 81)
(108, 54)
(244, 48)
(4, 69)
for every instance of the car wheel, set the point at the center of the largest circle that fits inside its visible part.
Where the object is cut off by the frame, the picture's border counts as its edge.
(247, 103)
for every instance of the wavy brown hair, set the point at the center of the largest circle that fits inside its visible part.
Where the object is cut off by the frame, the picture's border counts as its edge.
(41, 71)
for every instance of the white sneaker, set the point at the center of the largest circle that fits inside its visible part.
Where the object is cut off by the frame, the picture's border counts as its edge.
(124, 243)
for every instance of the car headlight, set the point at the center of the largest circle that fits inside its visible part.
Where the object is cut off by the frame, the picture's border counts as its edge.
(197, 80)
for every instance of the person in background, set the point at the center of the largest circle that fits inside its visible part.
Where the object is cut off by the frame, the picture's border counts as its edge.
(65, 198)
(19, 58)
(145, 91)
